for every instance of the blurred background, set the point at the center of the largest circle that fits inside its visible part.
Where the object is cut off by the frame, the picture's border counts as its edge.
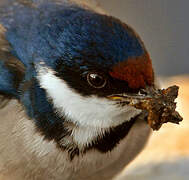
(164, 27)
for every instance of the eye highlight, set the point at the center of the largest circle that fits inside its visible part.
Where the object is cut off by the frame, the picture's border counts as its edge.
(96, 80)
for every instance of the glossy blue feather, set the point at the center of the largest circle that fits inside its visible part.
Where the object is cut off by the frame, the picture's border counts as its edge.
(50, 31)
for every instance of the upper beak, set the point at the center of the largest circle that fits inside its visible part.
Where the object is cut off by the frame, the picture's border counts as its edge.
(143, 94)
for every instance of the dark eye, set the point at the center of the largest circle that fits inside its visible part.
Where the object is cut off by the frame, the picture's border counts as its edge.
(96, 80)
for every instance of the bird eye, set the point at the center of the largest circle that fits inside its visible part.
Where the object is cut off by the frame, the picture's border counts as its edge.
(96, 80)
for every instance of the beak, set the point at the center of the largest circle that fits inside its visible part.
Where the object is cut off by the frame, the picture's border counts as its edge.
(143, 94)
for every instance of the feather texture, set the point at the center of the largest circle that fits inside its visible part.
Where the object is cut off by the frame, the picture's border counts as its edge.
(54, 125)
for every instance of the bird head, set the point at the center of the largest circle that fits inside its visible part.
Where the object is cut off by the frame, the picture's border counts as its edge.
(100, 57)
(79, 59)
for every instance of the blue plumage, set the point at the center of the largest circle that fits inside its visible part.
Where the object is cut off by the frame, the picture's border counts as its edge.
(49, 31)
(6, 80)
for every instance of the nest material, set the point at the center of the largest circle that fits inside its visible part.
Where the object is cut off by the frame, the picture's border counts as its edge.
(160, 106)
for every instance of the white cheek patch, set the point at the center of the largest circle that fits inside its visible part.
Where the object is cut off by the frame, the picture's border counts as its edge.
(91, 112)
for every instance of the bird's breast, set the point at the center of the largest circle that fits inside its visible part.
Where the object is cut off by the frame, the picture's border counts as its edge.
(22, 147)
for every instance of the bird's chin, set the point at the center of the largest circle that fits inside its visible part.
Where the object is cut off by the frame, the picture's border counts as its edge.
(126, 116)
(102, 140)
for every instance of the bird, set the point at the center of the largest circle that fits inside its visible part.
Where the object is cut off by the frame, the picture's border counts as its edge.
(60, 64)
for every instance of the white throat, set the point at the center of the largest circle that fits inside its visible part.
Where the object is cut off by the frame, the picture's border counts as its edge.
(92, 114)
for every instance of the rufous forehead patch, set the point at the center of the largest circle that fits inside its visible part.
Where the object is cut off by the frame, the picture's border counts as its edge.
(137, 71)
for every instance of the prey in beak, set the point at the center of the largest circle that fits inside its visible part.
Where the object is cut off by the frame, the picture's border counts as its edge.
(159, 104)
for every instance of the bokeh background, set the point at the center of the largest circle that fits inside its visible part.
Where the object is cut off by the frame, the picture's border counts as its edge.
(164, 28)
